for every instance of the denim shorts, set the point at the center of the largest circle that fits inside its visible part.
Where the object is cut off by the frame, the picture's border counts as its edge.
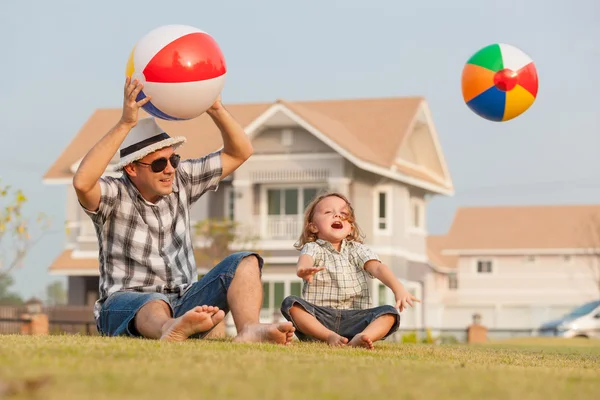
(346, 323)
(120, 308)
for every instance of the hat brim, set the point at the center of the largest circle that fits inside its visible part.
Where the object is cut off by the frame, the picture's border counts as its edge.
(175, 142)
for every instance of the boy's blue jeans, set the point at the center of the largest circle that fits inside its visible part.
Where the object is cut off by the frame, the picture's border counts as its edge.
(120, 308)
(346, 323)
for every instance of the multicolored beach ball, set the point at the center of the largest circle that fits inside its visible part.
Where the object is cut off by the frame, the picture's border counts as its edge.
(182, 68)
(499, 82)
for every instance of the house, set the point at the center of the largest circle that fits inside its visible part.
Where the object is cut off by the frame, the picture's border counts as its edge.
(516, 266)
(382, 153)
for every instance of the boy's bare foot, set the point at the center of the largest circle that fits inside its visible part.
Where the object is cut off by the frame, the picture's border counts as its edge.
(335, 340)
(280, 333)
(361, 340)
(198, 319)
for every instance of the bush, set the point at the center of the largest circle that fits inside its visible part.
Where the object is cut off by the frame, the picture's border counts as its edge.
(409, 337)
(412, 337)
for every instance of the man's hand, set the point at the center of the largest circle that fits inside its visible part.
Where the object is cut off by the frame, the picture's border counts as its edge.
(404, 298)
(307, 273)
(130, 105)
(217, 105)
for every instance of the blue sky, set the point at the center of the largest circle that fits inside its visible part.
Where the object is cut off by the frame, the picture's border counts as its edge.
(63, 59)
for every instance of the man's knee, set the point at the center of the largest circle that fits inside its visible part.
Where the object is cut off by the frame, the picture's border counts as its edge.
(250, 258)
(243, 259)
(154, 306)
(122, 310)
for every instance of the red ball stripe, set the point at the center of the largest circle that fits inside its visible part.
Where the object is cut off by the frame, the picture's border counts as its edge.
(190, 58)
(527, 77)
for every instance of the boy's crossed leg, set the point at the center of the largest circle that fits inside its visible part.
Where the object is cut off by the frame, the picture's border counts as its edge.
(357, 328)
(310, 326)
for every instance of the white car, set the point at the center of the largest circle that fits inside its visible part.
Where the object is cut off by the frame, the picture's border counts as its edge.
(583, 321)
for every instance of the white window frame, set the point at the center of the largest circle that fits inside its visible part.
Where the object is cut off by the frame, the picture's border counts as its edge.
(387, 190)
(270, 280)
(229, 194)
(450, 280)
(264, 201)
(264, 209)
(484, 259)
(420, 204)
(415, 288)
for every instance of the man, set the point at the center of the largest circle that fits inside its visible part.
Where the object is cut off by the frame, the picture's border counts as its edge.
(148, 278)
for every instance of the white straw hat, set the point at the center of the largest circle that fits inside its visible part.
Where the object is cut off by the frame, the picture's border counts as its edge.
(144, 138)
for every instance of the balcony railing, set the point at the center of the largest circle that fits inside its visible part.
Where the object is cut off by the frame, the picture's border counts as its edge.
(279, 227)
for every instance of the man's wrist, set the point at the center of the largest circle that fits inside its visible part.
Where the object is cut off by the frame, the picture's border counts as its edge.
(124, 125)
(216, 112)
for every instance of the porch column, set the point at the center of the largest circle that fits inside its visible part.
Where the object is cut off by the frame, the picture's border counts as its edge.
(242, 204)
(339, 184)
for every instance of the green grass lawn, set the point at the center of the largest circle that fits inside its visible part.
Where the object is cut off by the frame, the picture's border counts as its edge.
(101, 368)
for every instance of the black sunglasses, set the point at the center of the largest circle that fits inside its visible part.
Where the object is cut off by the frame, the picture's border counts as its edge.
(160, 164)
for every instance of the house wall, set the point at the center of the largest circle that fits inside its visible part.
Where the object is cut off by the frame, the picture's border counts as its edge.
(278, 140)
(295, 157)
(282, 156)
(213, 203)
(82, 290)
(201, 209)
(289, 158)
(399, 239)
(420, 148)
(519, 292)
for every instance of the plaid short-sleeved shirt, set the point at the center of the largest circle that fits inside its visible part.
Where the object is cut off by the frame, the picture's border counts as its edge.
(343, 284)
(148, 247)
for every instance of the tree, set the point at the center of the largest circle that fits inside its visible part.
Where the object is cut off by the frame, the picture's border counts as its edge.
(217, 238)
(56, 294)
(8, 298)
(16, 231)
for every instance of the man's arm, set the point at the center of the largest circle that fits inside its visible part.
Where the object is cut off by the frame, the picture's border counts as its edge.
(236, 144)
(97, 159)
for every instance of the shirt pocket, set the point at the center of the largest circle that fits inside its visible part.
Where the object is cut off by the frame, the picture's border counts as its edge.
(324, 278)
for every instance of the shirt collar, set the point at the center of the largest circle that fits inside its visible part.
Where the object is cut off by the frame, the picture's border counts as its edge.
(328, 245)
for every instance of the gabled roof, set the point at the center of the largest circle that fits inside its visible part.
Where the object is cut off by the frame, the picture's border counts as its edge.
(435, 245)
(524, 229)
(368, 130)
(372, 129)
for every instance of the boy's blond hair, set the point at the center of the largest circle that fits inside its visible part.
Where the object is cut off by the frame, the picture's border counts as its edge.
(307, 236)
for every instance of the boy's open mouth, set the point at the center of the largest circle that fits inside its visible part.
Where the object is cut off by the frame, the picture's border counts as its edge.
(337, 225)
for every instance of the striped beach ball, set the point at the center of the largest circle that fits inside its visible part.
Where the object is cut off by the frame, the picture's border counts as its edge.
(181, 67)
(499, 82)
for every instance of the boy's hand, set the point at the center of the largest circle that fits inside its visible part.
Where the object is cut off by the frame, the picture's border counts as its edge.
(307, 273)
(404, 298)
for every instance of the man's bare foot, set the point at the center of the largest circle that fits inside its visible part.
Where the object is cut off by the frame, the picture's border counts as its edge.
(280, 333)
(335, 340)
(361, 340)
(198, 319)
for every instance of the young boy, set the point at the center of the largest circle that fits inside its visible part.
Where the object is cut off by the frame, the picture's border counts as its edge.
(334, 263)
